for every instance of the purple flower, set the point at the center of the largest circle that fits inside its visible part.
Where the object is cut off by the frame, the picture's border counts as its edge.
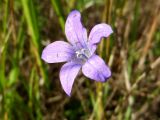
(79, 52)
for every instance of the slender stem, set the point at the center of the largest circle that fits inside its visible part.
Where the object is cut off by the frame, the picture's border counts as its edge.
(104, 45)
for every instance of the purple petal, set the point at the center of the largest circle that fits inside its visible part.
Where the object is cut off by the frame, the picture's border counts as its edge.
(58, 51)
(97, 33)
(68, 73)
(75, 32)
(96, 69)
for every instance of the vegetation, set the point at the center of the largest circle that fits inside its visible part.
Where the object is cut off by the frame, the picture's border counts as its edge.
(30, 89)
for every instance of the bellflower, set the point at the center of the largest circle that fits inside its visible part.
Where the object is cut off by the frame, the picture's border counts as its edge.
(79, 52)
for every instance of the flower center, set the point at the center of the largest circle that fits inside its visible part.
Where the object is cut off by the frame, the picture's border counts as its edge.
(83, 54)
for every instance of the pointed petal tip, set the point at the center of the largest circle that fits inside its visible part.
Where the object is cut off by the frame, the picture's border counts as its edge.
(67, 91)
(98, 32)
(108, 28)
(107, 74)
(104, 79)
(111, 30)
(68, 94)
(99, 73)
(74, 12)
(56, 52)
(43, 56)
(67, 75)
(107, 78)
(74, 29)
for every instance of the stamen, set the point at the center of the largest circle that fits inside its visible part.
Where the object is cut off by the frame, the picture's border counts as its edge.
(83, 54)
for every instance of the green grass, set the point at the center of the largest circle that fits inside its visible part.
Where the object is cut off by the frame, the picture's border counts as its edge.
(30, 89)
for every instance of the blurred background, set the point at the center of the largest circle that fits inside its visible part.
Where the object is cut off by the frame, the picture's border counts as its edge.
(30, 89)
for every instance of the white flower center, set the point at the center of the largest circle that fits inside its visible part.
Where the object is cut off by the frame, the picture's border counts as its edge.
(83, 54)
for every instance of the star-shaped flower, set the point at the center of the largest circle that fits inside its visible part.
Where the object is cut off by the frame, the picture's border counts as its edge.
(79, 52)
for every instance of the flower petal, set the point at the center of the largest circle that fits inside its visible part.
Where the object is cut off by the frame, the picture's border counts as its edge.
(68, 73)
(75, 32)
(58, 51)
(97, 33)
(96, 69)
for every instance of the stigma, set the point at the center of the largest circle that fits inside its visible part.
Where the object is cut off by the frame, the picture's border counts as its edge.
(83, 54)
